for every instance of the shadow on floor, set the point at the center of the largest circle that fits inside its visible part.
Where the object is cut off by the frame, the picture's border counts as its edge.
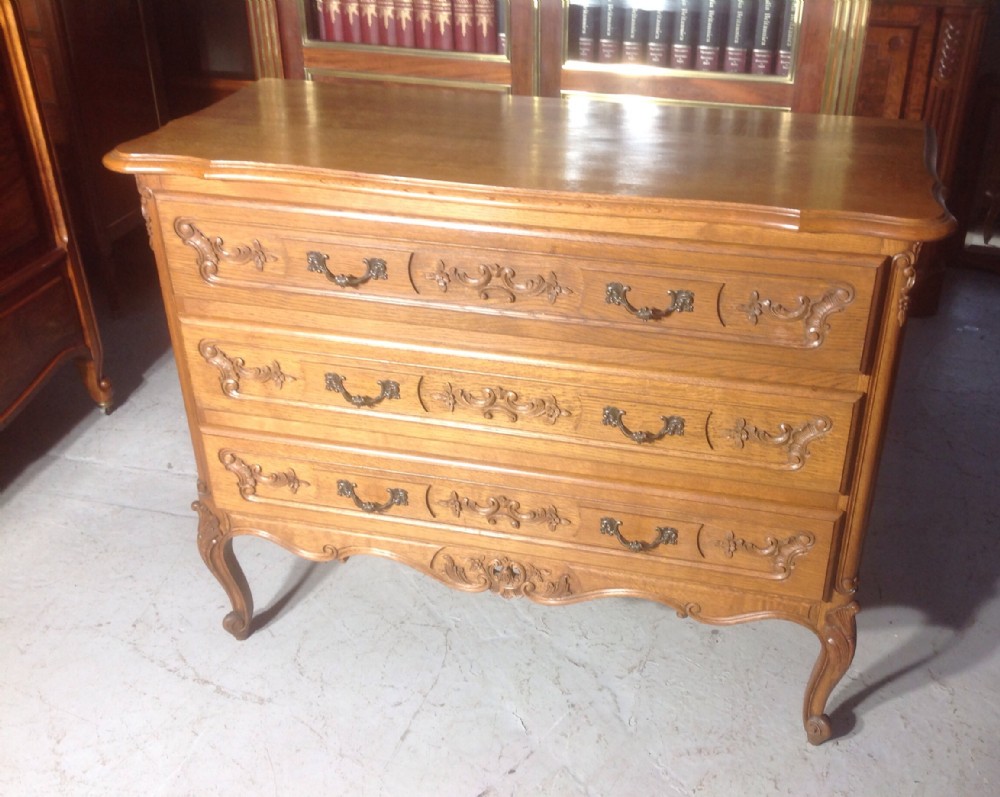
(932, 543)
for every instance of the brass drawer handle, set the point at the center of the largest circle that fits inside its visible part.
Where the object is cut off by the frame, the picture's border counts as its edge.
(397, 497)
(672, 425)
(390, 390)
(665, 535)
(375, 269)
(680, 302)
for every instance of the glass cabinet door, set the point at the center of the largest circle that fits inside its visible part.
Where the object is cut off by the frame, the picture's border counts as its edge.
(473, 43)
(798, 54)
(774, 53)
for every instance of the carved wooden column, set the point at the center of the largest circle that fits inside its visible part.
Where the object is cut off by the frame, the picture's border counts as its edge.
(265, 41)
(919, 63)
(847, 39)
(954, 66)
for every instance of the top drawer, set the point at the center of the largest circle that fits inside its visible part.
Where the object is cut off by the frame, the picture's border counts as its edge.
(789, 300)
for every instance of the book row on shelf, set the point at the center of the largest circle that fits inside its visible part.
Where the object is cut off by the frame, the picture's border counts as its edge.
(472, 26)
(735, 36)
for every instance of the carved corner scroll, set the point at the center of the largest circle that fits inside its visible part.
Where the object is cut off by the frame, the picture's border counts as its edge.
(249, 476)
(814, 314)
(211, 251)
(145, 200)
(504, 576)
(501, 506)
(907, 263)
(233, 369)
(794, 441)
(493, 281)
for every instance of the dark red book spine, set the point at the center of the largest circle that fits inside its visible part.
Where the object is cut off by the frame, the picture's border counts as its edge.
(369, 21)
(386, 22)
(443, 25)
(319, 20)
(422, 24)
(485, 16)
(465, 30)
(350, 11)
(335, 13)
(404, 23)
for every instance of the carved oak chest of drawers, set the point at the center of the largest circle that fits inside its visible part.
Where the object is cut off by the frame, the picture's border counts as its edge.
(551, 349)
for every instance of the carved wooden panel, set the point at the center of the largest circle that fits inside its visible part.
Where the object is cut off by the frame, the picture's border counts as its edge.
(899, 45)
(919, 62)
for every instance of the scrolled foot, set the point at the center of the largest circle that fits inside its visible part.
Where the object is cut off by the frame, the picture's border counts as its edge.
(98, 385)
(237, 625)
(818, 729)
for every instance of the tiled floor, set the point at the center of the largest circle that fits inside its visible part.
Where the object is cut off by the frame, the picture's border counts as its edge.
(369, 679)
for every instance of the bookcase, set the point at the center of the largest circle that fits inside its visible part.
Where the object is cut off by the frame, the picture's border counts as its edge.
(806, 60)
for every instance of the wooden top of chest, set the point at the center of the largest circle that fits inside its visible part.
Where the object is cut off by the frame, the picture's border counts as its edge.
(717, 164)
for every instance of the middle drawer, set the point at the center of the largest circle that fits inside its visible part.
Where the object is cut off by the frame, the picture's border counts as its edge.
(631, 418)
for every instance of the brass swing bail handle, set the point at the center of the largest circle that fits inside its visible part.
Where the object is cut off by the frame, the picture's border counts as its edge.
(375, 269)
(397, 497)
(680, 302)
(665, 535)
(673, 426)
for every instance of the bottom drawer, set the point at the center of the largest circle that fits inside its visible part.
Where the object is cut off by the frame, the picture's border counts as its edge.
(771, 548)
(37, 328)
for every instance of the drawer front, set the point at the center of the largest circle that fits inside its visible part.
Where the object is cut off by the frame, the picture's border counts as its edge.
(38, 325)
(621, 418)
(312, 261)
(655, 534)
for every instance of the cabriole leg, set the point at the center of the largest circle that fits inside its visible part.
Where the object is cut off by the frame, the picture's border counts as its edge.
(838, 639)
(216, 548)
(98, 385)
